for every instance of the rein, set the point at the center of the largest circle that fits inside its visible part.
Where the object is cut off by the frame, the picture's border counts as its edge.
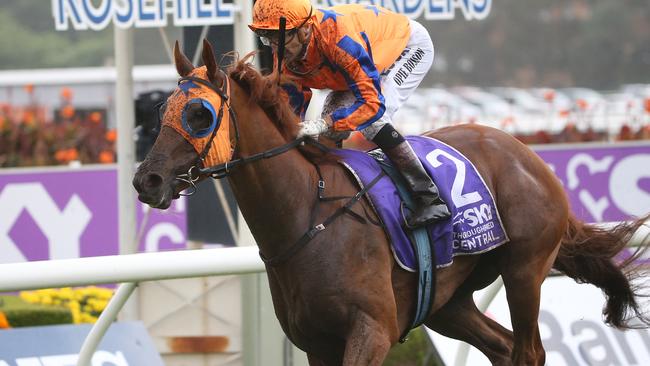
(223, 170)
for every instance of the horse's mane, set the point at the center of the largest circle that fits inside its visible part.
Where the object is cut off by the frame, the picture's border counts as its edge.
(265, 91)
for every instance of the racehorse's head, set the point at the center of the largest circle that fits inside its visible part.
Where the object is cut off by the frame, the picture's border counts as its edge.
(194, 131)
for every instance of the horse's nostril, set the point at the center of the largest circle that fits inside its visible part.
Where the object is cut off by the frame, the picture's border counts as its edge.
(152, 181)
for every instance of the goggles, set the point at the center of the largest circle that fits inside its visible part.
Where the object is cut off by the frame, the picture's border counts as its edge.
(272, 37)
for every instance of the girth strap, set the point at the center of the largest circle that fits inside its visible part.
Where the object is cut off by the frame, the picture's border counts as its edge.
(422, 245)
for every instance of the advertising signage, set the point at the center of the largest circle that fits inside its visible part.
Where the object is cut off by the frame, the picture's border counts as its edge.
(61, 213)
(430, 9)
(97, 15)
(84, 14)
(125, 344)
(604, 182)
(571, 329)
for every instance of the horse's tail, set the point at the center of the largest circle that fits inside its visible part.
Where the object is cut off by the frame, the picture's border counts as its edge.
(587, 255)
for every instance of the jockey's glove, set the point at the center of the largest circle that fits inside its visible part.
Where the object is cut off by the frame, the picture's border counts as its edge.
(313, 128)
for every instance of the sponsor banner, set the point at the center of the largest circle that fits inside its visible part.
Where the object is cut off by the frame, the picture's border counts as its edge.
(430, 9)
(98, 14)
(571, 328)
(604, 182)
(70, 213)
(125, 344)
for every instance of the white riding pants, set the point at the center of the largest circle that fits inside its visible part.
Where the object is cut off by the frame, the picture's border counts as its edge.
(398, 82)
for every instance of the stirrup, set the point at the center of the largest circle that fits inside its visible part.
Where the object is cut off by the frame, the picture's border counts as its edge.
(409, 216)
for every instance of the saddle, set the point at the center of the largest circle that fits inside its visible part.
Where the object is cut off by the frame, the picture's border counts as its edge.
(474, 226)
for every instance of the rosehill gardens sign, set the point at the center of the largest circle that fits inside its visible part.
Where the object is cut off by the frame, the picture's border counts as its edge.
(98, 14)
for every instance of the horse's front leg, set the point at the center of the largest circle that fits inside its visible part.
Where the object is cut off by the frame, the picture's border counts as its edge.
(367, 344)
(315, 361)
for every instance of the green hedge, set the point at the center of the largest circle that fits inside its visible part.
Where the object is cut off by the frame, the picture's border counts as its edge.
(416, 351)
(22, 314)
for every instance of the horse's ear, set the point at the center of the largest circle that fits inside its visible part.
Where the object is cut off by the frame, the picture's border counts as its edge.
(183, 65)
(210, 61)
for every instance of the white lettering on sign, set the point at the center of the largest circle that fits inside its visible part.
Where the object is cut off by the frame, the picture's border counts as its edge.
(591, 340)
(432, 9)
(84, 14)
(596, 207)
(478, 215)
(163, 230)
(62, 228)
(100, 358)
(624, 184)
(624, 178)
(593, 165)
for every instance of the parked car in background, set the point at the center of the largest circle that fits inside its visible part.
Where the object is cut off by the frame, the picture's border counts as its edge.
(522, 99)
(495, 110)
(559, 108)
(445, 108)
(640, 90)
(621, 109)
(412, 118)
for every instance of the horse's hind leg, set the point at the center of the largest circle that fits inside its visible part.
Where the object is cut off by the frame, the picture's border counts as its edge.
(460, 319)
(523, 287)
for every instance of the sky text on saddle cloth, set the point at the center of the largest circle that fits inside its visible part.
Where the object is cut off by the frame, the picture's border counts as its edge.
(174, 117)
(349, 49)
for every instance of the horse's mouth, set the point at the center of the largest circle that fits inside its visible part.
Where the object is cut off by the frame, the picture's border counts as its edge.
(162, 200)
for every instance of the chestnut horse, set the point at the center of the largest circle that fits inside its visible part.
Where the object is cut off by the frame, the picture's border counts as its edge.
(340, 296)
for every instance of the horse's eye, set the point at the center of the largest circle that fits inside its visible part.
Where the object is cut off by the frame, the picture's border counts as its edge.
(199, 120)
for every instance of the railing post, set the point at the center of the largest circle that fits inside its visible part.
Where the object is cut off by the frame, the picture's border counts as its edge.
(104, 322)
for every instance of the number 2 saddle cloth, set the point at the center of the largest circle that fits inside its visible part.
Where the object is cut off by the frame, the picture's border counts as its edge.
(474, 226)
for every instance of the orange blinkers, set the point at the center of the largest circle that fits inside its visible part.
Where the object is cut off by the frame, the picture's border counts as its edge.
(189, 93)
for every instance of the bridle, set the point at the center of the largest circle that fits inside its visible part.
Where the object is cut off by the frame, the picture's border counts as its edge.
(194, 173)
(220, 171)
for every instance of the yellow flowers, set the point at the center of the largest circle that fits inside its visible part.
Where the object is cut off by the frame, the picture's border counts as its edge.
(85, 304)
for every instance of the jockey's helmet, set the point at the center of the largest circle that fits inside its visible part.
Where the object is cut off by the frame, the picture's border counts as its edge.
(267, 13)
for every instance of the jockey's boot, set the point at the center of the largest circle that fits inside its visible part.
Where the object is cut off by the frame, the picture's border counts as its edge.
(429, 207)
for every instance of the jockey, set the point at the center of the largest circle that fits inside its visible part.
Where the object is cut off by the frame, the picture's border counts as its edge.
(372, 59)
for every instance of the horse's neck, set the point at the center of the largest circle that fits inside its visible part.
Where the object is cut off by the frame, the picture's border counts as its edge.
(275, 195)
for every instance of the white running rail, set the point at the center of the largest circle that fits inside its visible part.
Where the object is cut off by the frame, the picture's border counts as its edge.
(128, 270)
